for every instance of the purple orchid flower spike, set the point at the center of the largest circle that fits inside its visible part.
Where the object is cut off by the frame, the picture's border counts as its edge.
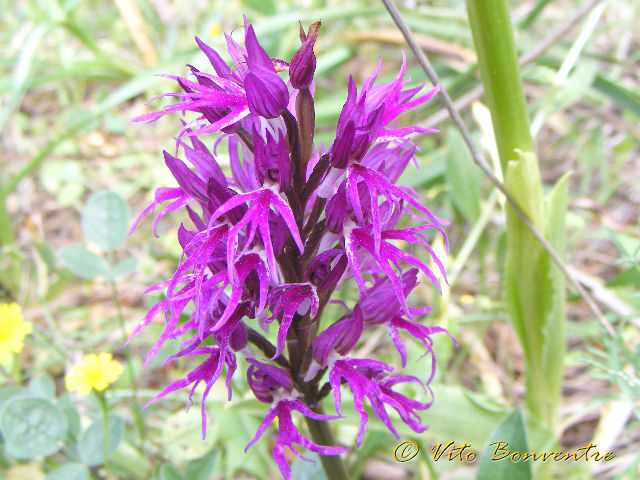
(269, 241)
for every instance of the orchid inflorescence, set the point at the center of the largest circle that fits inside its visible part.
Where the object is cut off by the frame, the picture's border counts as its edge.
(290, 226)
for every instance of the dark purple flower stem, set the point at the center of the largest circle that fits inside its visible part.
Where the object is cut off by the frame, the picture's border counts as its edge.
(299, 338)
(293, 138)
(305, 111)
(266, 347)
(245, 136)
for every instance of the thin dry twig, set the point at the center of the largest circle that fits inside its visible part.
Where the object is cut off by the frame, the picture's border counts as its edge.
(133, 19)
(479, 160)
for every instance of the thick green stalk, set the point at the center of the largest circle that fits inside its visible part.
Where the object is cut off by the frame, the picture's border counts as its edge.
(332, 464)
(498, 62)
(534, 287)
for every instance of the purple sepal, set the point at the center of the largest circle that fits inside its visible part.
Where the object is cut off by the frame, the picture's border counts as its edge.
(341, 148)
(336, 210)
(360, 385)
(288, 433)
(380, 303)
(189, 182)
(239, 338)
(267, 94)
(341, 337)
(209, 371)
(271, 159)
(288, 299)
(303, 63)
(322, 274)
(257, 216)
(266, 380)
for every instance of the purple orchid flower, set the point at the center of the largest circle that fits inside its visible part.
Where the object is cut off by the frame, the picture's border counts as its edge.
(270, 239)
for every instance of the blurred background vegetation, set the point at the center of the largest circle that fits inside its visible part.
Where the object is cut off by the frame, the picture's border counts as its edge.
(75, 71)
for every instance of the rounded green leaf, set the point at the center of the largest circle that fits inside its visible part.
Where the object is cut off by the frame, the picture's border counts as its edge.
(69, 471)
(73, 420)
(32, 427)
(91, 446)
(82, 262)
(169, 472)
(124, 267)
(12, 391)
(105, 220)
(42, 386)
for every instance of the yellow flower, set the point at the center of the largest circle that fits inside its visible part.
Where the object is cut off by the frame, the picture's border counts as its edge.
(13, 329)
(95, 371)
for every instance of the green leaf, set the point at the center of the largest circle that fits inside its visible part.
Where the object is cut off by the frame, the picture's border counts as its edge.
(182, 435)
(509, 436)
(12, 391)
(623, 96)
(130, 463)
(575, 87)
(554, 293)
(243, 425)
(69, 471)
(373, 441)
(42, 386)
(463, 177)
(82, 262)
(330, 60)
(425, 175)
(73, 420)
(91, 445)
(124, 267)
(32, 427)
(628, 245)
(529, 298)
(631, 276)
(265, 7)
(105, 220)
(71, 414)
(169, 472)
(303, 470)
(451, 403)
(201, 468)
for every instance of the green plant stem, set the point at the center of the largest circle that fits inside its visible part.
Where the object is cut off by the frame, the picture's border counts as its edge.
(498, 61)
(105, 427)
(7, 235)
(534, 293)
(332, 464)
(137, 410)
